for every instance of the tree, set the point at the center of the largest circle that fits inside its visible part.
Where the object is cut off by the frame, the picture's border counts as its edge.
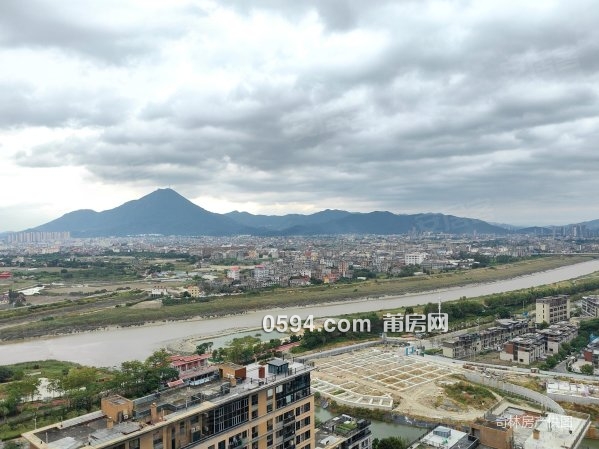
(587, 369)
(389, 443)
(543, 325)
(13, 445)
(158, 370)
(203, 348)
(503, 312)
(409, 310)
(5, 374)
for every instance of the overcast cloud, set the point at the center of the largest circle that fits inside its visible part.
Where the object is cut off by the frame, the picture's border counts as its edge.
(482, 109)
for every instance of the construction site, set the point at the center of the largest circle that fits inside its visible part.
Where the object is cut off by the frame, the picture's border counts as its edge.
(386, 379)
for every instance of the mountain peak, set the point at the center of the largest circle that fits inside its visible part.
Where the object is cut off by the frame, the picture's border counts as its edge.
(165, 211)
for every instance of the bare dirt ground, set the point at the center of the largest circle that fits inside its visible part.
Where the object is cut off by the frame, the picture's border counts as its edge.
(415, 384)
(154, 304)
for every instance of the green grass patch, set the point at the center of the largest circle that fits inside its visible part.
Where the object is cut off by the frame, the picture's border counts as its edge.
(466, 393)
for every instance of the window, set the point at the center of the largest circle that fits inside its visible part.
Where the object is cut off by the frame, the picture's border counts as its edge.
(157, 439)
(221, 444)
(134, 443)
(254, 399)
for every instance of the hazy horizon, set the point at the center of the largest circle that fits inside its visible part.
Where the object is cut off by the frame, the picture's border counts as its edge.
(303, 213)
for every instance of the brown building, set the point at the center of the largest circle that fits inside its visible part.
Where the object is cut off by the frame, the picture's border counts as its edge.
(271, 407)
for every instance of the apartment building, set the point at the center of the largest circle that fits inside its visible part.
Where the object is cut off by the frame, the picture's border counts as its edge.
(552, 309)
(344, 432)
(525, 349)
(194, 291)
(589, 306)
(414, 258)
(253, 407)
(466, 345)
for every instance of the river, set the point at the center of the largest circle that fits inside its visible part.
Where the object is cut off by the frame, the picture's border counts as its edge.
(381, 429)
(110, 347)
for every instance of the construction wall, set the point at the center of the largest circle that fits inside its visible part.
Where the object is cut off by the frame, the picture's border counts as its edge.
(493, 437)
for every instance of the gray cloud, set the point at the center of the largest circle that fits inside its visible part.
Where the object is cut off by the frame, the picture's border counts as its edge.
(447, 107)
(24, 105)
(91, 30)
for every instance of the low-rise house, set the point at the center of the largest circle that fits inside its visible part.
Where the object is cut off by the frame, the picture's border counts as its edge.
(558, 334)
(525, 349)
(493, 337)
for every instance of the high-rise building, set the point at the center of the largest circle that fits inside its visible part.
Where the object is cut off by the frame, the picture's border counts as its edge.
(255, 407)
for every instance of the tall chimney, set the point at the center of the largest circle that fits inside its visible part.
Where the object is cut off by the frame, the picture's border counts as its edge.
(536, 433)
(154, 413)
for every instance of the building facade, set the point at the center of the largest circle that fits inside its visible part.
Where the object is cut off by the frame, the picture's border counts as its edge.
(589, 306)
(552, 309)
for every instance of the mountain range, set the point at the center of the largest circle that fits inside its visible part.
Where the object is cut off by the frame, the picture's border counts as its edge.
(166, 212)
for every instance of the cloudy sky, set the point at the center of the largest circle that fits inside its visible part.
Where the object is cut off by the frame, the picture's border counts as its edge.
(487, 109)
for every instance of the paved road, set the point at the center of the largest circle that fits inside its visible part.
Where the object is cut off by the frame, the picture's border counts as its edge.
(515, 370)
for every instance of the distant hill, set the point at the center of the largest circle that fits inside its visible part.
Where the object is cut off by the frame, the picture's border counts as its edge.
(536, 230)
(282, 222)
(387, 223)
(592, 225)
(166, 212)
(163, 211)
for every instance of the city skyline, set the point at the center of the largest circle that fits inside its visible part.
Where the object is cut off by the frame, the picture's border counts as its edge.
(485, 111)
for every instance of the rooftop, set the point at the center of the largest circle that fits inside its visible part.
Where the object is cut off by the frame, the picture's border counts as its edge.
(96, 429)
(338, 429)
(444, 437)
(557, 431)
